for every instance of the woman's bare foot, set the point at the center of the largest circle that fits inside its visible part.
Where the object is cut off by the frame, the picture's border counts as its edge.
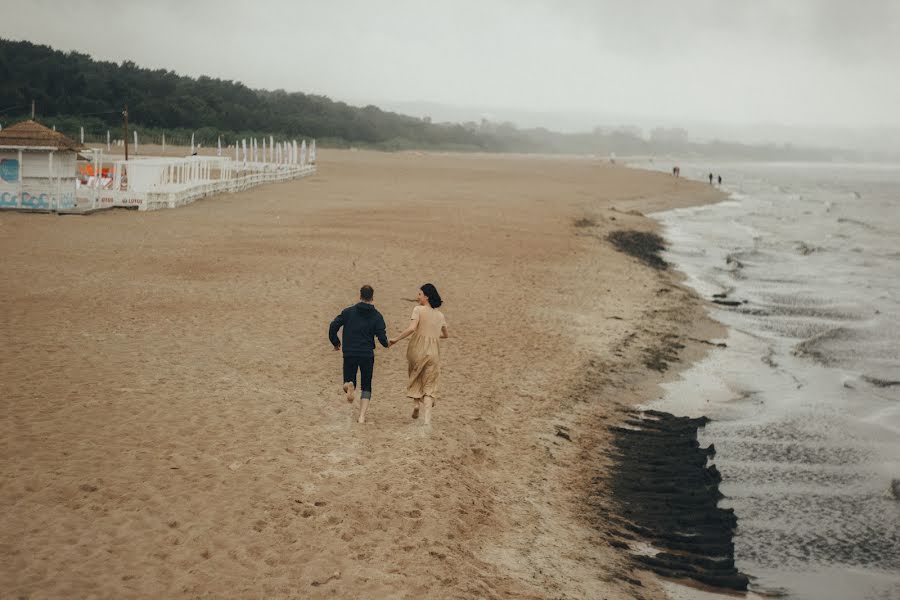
(426, 416)
(350, 390)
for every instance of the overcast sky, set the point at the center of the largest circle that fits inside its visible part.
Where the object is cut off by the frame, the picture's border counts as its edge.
(819, 63)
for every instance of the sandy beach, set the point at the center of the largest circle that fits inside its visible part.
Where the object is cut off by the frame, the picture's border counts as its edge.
(173, 422)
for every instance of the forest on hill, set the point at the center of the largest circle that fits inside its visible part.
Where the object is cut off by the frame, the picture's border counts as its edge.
(71, 90)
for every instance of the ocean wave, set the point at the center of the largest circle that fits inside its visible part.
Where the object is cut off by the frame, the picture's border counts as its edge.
(800, 298)
(868, 226)
(882, 383)
(809, 312)
(792, 453)
(814, 348)
(795, 329)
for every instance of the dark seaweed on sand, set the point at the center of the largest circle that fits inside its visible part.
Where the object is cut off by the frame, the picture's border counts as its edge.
(642, 245)
(665, 493)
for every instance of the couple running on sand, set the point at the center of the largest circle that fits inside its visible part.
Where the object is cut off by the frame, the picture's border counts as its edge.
(362, 323)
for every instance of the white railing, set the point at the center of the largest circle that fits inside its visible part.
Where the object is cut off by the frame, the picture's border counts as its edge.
(238, 177)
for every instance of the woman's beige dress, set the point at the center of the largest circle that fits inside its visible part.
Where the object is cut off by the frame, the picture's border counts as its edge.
(423, 352)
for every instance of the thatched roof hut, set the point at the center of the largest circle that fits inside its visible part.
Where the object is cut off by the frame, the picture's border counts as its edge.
(31, 135)
(37, 168)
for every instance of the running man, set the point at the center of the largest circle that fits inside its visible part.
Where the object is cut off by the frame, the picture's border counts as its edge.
(361, 323)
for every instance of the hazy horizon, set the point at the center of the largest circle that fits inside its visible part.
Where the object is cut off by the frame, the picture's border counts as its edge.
(822, 71)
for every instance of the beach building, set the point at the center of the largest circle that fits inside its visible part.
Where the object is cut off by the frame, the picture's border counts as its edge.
(152, 183)
(39, 172)
(37, 168)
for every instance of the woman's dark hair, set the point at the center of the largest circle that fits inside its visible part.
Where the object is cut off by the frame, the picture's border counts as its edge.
(434, 299)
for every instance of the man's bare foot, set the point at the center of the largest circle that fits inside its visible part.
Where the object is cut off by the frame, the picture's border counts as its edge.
(350, 389)
(415, 414)
(363, 407)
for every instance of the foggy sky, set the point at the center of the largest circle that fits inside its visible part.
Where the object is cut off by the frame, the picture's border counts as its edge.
(799, 63)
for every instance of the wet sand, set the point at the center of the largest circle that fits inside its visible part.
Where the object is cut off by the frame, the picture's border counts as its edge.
(172, 413)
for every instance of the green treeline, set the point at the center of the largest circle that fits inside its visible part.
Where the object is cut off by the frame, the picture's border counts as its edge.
(71, 90)
(72, 87)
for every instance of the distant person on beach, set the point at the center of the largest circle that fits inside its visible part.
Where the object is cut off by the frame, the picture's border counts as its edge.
(710, 178)
(361, 323)
(423, 355)
(720, 180)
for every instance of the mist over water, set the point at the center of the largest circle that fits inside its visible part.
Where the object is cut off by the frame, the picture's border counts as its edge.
(805, 400)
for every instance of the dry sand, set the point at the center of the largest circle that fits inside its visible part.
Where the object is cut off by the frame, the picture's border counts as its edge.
(173, 424)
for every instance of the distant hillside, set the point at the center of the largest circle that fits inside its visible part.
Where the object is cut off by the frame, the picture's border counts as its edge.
(71, 90)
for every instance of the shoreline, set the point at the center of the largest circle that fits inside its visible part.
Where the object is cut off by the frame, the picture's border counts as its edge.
(823, 396)
(223, 448)
(672, 340)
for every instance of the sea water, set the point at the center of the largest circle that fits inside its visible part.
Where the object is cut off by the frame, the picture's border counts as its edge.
(805, 398)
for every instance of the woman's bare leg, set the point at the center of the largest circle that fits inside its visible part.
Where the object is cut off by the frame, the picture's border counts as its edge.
(350, 389)
(426, 416)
